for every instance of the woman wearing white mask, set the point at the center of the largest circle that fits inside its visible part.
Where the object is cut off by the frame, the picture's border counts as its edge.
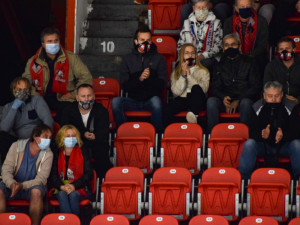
(71, 170)
(204, 31)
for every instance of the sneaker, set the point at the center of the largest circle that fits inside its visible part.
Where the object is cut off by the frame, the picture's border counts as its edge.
(191, 117)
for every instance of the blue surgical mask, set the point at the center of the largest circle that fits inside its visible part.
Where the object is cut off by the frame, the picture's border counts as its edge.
(45, 143)
(52, 48)
(70, 142)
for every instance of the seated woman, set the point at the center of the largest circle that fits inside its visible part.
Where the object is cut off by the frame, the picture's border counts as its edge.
(189, 85)
(71, 170)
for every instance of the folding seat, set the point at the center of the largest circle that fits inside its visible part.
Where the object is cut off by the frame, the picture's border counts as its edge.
(225, 115)
(208, 220)
(225, 144)
(105, 90)
(169, 192)
(109, 219)
(121, 192)
(295, 221)
(164, 16)
(260, 220)
(181, 146)
(219, 191)
(158, 220)
(268, 193)
(14, 219)
(134, 145)
(60, 219)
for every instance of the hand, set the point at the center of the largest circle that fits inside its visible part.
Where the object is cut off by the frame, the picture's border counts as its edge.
(67, 96)
(185, 69)
(89, 136)
(226, 101)
(70, 188)
(17, 103)
(201, 57)
(15, 188)
(256, 6)
(278, 136)
(233, 106)
(145, 74)
(292, 98)
(266, 132)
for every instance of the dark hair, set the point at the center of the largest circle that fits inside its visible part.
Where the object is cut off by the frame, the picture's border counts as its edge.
(17, 81)
(38, 130)
(142, 29)
(84, 86)
(287, 39)
(49, 31)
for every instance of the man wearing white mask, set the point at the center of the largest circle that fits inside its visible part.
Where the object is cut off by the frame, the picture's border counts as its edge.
(56, 73)
(204, 31)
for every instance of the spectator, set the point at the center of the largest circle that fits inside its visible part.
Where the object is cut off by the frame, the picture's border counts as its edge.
(55, 73)
(71, 170)
(235, 83)
(91, 119)
(143, 76)
(25, 171)
(285, 69)
(22, 115)
(270, 132)
(189, 84)
(204, 31)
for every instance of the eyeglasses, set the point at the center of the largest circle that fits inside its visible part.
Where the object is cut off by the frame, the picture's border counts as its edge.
(190, 53)
(234, 45)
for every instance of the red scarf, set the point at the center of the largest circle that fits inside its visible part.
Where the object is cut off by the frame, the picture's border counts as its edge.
(250, 32)
(61, 75)
(75, 165)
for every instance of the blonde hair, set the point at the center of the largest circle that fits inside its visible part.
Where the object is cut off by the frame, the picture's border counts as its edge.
(59, 139)
(178, 69)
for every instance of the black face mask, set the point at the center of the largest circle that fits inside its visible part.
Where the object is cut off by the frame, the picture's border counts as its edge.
(190, 61)
(87, 104)
(245, 13)
(232, 52)
(273, 105)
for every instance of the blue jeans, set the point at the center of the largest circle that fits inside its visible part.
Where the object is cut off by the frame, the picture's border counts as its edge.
(215, 105)
(253, 149)
(69, 203)
(120, 105)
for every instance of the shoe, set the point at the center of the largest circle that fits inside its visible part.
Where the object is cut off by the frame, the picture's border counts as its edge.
(191, 117)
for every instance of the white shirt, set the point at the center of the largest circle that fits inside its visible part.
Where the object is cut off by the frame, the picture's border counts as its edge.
(85, 118)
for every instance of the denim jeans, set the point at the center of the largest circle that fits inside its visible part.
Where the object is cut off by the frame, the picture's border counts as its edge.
(120, 105)
(69, 203)
(253, 149)
(215, 105)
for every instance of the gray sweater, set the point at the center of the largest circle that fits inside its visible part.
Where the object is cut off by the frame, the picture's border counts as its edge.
(22, 121)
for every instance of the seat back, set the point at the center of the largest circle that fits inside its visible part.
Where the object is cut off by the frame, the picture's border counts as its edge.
(121, 192)
(181, 146)
(218, 192)
(158, 220)
(258, 220)
(208, 220)
(15, 219)
(105, 90)
(170, 192)
(60, 219)
(109, 219)
(134, 144)
(226, 143)
(268, 193)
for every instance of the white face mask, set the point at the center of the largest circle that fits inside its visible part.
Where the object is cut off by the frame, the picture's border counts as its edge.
(201, 14)
(52, 48)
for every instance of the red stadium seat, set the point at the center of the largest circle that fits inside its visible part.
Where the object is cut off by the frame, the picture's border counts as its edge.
(298, 200)
(258, 220)
(183, 114)
(225, 115)
(56, 128)
(170, 192)
(164, 16)
(268, 193)
(109, 219)
(218, 192)
(158, 220)
(295, 221)
(60, 219)
(294, 18)
(134, 145)
(208, 220)
(297, 42)
(226, 143)
(121, 192)
(14, 219)
(181, 146)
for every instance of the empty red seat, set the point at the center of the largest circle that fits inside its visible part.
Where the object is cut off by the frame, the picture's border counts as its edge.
(109, 219)
(295, 221)
(258, 220)
(60, 219)
(12, 218)
(208, 220)
(158, 220)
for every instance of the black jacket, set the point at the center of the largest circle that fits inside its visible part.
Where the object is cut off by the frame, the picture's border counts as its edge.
(132, 67)
(236, 78)
(288, 77)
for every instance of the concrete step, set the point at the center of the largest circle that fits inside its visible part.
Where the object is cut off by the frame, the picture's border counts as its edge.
(121, 2)
(120, 29)
(117, 12)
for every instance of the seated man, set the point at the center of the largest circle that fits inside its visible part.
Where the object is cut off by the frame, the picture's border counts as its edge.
(22, 115)
(204, 31)
(143, 76)
(270, 132)
(235, 83)
(25, 171)
(91, 119)
(55, 73)
(285, 69)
